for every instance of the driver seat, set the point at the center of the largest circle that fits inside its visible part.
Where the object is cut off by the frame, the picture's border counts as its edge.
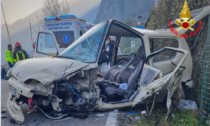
(129, 73)
(116, 74)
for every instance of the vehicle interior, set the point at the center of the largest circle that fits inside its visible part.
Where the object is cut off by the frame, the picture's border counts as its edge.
(123, 50)
(128, 66)
(164, 61)
(127, 63)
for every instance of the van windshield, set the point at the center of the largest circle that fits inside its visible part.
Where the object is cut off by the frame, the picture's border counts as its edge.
(86, 48)
(64, 38)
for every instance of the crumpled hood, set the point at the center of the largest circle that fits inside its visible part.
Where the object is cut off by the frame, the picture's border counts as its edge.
(45, 70)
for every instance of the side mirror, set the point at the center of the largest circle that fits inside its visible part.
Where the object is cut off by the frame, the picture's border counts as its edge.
(9, 74)
(51, 54)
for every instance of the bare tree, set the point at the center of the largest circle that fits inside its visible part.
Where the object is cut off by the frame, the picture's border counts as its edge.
(54, 8)
(65, 7)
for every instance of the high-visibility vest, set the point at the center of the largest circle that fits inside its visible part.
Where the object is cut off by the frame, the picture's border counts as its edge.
(9, 56)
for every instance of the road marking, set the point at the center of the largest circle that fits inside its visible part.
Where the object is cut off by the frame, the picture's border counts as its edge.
(67, 118)
(112, 119)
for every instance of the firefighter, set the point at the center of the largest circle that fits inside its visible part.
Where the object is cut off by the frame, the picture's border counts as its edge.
(19, 54)
(9, 56)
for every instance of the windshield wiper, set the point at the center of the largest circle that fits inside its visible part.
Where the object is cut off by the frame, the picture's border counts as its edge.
(64, 57)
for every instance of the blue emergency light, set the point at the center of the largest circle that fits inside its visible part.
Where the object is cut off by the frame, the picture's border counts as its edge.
(67, 16)
(141, 27)
(62, 16)
(49, 18)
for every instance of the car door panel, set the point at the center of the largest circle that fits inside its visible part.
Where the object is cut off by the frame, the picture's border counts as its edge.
(172, 80)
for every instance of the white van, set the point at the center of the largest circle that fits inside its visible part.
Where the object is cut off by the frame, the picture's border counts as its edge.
(59, 32)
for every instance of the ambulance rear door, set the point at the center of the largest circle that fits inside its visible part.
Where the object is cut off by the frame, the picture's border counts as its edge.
(46, 45)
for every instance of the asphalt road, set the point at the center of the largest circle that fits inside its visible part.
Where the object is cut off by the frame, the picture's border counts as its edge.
(38, 119)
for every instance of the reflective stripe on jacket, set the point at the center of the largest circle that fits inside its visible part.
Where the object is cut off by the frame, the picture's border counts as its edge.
(20, 54)
(9, 56)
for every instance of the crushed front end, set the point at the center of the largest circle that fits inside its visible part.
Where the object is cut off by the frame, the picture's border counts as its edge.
(17, 96)
(75, 92)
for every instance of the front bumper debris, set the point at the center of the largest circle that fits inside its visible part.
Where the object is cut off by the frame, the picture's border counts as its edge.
(14, 109)
(19, 89)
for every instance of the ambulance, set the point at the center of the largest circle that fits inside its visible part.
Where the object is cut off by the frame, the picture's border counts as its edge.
(59, 32)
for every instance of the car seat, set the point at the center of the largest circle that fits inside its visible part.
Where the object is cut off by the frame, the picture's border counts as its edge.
(124, 72)
(116, 73)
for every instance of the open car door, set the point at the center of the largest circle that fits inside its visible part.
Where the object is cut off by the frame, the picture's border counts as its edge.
(172, 80)
(46, 45)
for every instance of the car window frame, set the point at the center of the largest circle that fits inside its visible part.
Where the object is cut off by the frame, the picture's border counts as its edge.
(128, 28)
(131, 37)
(162, 37)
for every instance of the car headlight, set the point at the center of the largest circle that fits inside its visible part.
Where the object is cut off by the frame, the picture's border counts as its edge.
(9, 74)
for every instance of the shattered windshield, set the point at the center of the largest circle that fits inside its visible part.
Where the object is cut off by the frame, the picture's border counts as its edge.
(86, 48)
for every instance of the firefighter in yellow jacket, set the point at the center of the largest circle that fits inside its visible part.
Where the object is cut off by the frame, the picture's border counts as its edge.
(19, 54)
(9, 56)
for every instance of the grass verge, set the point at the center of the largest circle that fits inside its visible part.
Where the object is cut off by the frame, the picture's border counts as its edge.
(180, 118)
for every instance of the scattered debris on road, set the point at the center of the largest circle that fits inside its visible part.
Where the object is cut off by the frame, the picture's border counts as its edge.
(125, 119)
(143, 112)
(188, 104)
(12, 121)
(131, 112)
(137, 118)
(116, 111)
(3, 117)
(100, 115)
(3, 110)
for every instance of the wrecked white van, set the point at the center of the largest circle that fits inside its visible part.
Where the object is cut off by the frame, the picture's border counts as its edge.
(79, 78)
(150, 64)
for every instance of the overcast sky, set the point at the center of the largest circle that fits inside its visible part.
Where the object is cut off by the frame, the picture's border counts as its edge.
(18, 9)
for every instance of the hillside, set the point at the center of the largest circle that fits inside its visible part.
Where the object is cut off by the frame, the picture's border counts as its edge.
(20, 30)
(123, 9)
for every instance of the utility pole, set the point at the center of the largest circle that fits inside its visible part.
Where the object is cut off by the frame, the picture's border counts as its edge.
(6, 24)
(38, 22)
(31, 33)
